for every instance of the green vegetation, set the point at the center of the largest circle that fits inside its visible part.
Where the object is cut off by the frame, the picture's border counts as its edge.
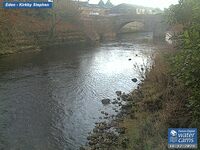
(170, 94)
(160, 103)
(186, 63)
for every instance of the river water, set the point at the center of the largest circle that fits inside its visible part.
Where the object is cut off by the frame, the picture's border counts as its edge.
(51, 99)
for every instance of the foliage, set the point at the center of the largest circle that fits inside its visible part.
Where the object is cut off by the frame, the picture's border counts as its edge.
(186, 64)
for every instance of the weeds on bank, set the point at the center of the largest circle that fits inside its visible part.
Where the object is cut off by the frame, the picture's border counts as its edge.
(160, 102)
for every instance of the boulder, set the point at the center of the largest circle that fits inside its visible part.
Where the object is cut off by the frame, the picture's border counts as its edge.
(115, 102)
(124, 97)
(119, 93)
(105, 101)
(106, 113)
(134, 80)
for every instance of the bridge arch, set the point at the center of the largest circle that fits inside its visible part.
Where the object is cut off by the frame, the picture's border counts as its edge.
(132, 25)
(109, 26)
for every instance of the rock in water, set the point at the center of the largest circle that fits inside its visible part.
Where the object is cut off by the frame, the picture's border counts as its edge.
(124, 96)
(119, 93)
(134, 80)
(105, 101)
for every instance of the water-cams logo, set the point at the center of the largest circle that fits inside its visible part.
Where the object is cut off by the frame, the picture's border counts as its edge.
(173, 133)
(182, 138)
(173, 137)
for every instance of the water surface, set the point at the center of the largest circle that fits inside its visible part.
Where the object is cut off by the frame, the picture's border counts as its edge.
(50, 100)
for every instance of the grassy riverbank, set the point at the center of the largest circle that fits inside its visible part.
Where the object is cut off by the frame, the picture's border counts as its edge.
(160, 102)
(30, 30)
(33, 38)
(170, 94)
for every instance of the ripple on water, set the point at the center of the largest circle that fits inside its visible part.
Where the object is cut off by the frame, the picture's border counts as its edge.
(51, 100)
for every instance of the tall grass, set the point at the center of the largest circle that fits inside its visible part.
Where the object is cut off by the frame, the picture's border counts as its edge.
(160, 102)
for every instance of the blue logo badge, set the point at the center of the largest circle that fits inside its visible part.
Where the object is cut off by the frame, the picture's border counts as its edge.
(182, 138)
(16, 5)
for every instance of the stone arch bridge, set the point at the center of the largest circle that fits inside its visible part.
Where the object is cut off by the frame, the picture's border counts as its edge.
(110, 25)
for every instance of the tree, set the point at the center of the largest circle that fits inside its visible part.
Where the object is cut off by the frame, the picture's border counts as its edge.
(63, 10)
(186, 63)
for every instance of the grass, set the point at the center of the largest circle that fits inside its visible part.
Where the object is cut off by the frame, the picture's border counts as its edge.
(160, 102)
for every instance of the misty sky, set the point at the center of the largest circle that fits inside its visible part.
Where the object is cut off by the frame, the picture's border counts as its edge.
(149, 3)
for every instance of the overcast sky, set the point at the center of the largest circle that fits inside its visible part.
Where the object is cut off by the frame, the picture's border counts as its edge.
(149, 3)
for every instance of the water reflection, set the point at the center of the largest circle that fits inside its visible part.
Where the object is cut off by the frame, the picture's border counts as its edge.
(51, 99)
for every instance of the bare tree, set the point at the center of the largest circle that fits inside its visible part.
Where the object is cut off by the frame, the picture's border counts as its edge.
(63, 10)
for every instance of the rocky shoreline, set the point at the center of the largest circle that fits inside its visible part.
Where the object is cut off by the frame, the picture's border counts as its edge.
(108, 134)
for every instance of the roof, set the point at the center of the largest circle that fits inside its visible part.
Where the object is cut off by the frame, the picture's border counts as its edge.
(124, 5)
(109, 4)
(101, 3)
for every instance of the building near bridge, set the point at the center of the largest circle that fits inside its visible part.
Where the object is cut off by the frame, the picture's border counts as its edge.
(100, 9)
(133, 10)
(103, 9)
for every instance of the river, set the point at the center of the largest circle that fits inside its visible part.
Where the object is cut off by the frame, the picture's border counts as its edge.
(50, 100)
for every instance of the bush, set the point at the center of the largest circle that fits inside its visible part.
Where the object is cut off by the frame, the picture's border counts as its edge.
(186, 63)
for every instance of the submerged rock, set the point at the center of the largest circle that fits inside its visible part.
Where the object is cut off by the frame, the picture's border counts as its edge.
(106, 113)
(116, 111)
(102, 112)
(124, 97)
(108, 133)
(105, 101)
(134, 80)
(115, 102)
(119, 93)
(120, 103)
